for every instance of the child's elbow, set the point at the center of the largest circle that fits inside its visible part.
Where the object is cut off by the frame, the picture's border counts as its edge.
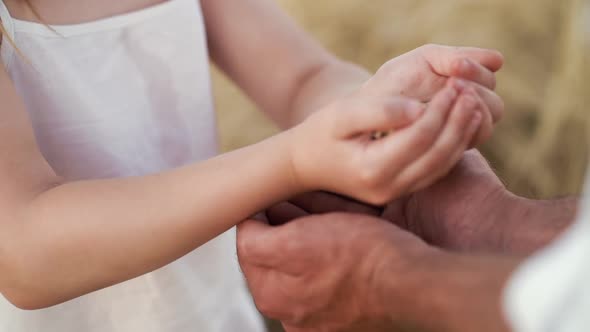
(19, 287)
(26, 297)
(13, 289)
(23, 300)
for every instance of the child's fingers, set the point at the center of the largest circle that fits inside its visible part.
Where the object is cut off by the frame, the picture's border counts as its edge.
(453, 159)
(474, 72)
(493, 102)
(448, 143)
(369, 115)
(486, 127)
(443, 57)
(487, 123)
(405, 146)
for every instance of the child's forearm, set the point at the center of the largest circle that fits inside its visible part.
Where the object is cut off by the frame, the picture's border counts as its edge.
(335, 80)
(79, 237)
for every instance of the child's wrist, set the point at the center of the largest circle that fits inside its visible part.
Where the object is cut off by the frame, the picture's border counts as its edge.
(293, 179)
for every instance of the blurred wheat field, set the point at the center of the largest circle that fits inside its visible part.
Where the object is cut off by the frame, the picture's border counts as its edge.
(541, 147)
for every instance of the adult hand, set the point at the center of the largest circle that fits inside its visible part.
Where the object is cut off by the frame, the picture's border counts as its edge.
(468, 210)
(318, 273)
(424, 71)
(471, 210)
(349, 272)
(455, 213)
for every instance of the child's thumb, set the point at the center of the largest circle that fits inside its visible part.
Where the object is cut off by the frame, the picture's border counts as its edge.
(379, 115)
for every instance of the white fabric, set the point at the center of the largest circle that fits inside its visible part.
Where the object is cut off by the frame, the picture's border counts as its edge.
(126, 96)
(551, 292)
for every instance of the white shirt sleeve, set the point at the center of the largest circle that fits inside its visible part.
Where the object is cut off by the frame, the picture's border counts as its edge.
(551, 292)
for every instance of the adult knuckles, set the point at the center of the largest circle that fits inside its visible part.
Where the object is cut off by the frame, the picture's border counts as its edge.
(244, 246)
(249, 250)
(303, 314)
(292, 248)
(266, 302)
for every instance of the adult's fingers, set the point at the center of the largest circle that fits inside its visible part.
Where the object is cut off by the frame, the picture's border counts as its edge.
(264, 285)
(442, 58)
(367, 115)
(464, 117)
(284, 212)
(322, 202)
(257, 243)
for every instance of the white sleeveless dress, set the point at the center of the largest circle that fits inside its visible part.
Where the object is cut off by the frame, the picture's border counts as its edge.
(124, 96)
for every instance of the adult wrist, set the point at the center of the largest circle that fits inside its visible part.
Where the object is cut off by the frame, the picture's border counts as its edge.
(447, 292)
(528, 225)
(469, 223)
(469, 292)
(403, 299)
(496, 222)
(505, 223)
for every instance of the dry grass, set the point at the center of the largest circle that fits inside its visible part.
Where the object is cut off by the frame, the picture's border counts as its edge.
(541, 148)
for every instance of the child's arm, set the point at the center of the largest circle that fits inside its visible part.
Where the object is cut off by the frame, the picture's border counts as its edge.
(287, 73)
(61, 240)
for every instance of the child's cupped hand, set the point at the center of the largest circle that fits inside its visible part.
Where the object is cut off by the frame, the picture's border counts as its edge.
(335, 149)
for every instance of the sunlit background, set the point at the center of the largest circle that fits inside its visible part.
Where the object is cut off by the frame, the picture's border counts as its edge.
(541, 147)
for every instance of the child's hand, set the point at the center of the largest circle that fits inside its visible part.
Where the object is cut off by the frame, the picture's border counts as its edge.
(333, 150)
(421, 73)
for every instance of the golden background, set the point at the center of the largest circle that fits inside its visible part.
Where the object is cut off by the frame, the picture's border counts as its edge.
(541, 147)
